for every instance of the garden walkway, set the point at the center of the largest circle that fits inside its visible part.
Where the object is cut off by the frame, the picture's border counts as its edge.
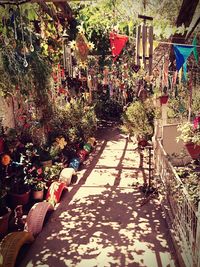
(100, 220)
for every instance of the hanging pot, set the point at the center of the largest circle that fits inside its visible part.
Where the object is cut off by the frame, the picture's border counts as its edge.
(142, 141)
(193, 150)
(196, 122)
(163, 99)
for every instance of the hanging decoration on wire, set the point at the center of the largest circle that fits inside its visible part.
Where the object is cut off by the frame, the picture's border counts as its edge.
(13, 22)
(25, 63)
(117, 42)
(67, 55)
(182, 52)
(81, 46)
(31, 42)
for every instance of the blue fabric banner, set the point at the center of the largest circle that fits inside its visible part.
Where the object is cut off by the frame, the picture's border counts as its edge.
(182, 52)
(185, 71)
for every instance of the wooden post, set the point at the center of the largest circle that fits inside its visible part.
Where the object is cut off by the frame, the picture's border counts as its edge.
(164, 114)
(190, 98)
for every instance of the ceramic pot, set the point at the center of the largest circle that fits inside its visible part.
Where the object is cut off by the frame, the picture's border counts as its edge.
(38, 195)
(193, 150)
(19, 199)
(47, 163)
(163, 99)
(4, 221)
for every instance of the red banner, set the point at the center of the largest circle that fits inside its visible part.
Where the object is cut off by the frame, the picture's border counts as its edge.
(117, 42)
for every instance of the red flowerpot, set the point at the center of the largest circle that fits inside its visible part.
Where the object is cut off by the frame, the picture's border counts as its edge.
(193, 150)
(19, 199)
(163, 99)
(1, 145)
(142, 142)
(82, 154)
(4, 221)
(38, 195)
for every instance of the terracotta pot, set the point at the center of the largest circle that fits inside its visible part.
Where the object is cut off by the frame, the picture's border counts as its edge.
(38, 195)
(193, 150)
(163, 99)
(1, 145)
(19, 199)
(142, 142)
(4, 221)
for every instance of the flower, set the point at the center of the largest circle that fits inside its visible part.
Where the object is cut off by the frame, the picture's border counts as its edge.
(72, 44)
(188, 133)
(80, 29)
(61, 142)
(83, 65)
(5, 160)
(90, 46)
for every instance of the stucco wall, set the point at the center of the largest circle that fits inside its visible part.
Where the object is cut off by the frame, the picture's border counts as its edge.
(171, 146)
(6, 112)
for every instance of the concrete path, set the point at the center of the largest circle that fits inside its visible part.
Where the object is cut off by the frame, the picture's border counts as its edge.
(100, 221)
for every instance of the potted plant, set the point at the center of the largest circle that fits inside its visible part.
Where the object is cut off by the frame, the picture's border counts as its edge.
(191, 137)
(52, 173)
(38, 189)
(19, 177)
(45, 157)
(138, 121)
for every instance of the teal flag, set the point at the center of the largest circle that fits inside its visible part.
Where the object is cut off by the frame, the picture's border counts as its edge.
(182, 52)
(185, 71)
(194, 42)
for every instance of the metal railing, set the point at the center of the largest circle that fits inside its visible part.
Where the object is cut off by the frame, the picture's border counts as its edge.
(183, 216)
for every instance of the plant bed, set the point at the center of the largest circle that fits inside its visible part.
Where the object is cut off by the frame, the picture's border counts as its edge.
(190, 177)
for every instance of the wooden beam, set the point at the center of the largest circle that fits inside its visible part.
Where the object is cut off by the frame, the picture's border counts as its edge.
(50, 1)
(145, 17)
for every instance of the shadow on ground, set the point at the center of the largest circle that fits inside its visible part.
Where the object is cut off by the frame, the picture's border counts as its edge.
(101, 221)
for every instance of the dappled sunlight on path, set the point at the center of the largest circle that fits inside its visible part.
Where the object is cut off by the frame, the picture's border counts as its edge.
(101, 220)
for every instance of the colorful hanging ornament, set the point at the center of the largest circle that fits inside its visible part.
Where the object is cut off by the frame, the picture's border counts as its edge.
(117, 42)
(182, 52)
(82, 48)
(25, 63)
(31, 43)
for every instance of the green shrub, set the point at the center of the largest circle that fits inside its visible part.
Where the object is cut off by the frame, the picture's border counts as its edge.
(138, 119)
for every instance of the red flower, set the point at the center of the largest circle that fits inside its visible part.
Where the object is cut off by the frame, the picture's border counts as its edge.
(39, 171)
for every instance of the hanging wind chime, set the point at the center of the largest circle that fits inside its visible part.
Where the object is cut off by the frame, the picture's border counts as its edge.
(144, 44)
(67, 55)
